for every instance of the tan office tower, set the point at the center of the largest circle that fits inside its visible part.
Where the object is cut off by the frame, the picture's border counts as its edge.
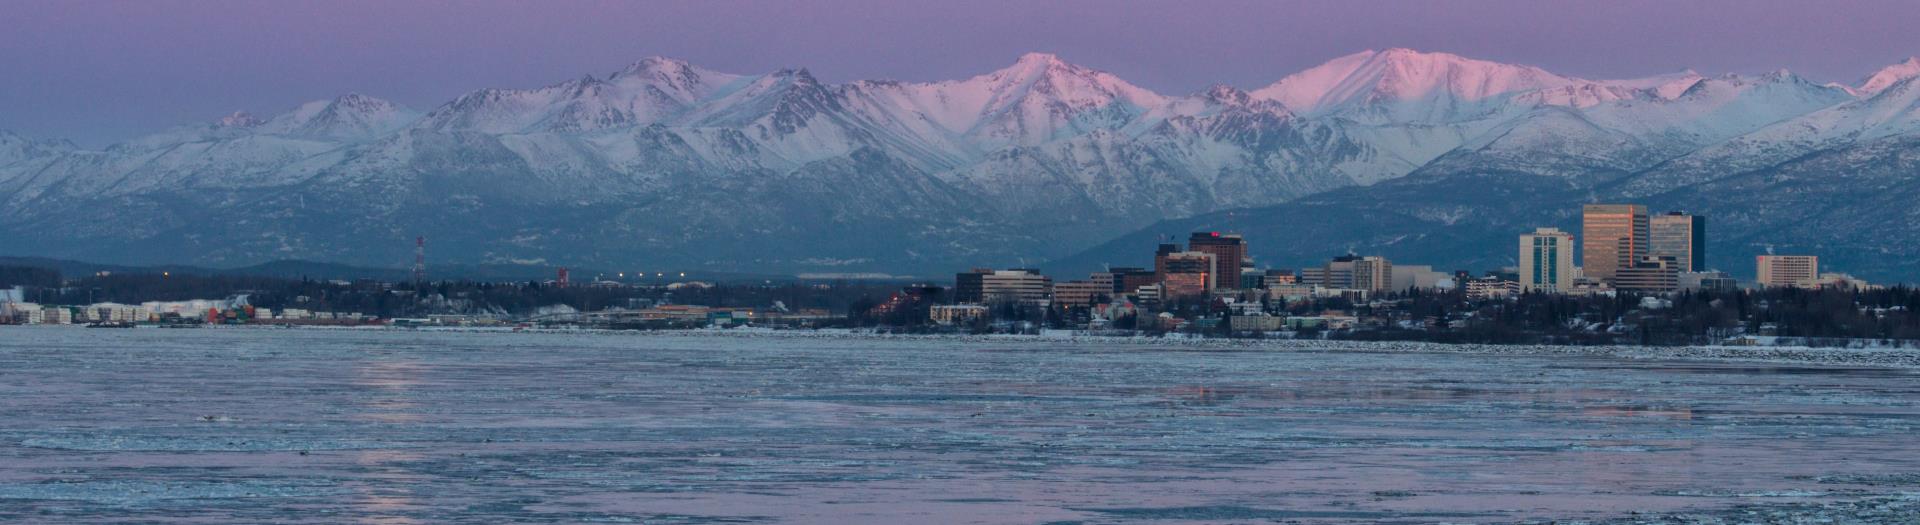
(1373, 274)
(1612, 236)
(1789, 270)
(1680, 236)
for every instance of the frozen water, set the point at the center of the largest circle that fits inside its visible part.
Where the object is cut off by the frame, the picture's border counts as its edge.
(331, 426)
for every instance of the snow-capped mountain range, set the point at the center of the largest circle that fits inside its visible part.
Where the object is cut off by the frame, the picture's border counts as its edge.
(667, 163)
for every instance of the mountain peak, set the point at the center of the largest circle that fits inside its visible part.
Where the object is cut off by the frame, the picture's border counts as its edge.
(1410, 53)
(361, 102)
(798, 76)
(238, 119)
(1036, 58)
(1665, 86)
(656, 62)
(1036, 65)
(668, 69)
(1888, 76)
(352, 116)
(1225, 94)
(1397, 75)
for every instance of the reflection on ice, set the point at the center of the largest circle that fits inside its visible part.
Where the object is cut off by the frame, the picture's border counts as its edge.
(119, 492)
(126, 443)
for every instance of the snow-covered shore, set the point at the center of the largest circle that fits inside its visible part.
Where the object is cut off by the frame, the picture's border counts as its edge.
(1908, 358)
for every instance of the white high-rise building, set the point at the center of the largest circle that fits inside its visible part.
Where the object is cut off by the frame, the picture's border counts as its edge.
(1546, 260)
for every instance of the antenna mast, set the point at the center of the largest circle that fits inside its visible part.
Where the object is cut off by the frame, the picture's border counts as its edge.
(420, 259)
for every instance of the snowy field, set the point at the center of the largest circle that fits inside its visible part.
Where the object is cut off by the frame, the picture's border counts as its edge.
(393, 426)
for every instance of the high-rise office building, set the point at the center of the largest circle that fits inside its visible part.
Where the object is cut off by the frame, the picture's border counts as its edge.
(1373, 274)
(969, 287)
(1546, 260)
(1160, 254)
(1680, 236)
(1789, 270)
(1126, 280)
(1080, 293)
(1188, 274)
(1612, 236)
(1337, 273)
(1229, 252)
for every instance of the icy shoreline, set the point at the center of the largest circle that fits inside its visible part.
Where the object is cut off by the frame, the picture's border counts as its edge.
(1904, 358)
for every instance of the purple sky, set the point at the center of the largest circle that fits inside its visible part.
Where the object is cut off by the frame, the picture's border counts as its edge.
(98, 72)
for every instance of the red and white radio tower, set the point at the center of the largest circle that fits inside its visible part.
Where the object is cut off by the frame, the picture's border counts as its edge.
(563, 277)
(420, 259)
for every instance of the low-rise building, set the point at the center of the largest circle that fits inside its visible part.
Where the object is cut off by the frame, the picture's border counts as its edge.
(954, 314)
(1649, 274)
(1278, 278)
(17, 312)
(1841, 280)
(1418, 277)
(1709, 281)
(1150, 294)
(1256, 323)
(1491, 287)
(1022, 285)
(113, 313)
(1082, 293)
(53, 315)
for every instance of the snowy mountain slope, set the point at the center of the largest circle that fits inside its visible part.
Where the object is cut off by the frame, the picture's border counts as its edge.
(1718, 108)
(1665, 87)
(666, 161)
(1888, 76)
(652, 90)
(349, 118)
(1405, 108)
(1609, 140)
(1892, 113)
(1403, 85)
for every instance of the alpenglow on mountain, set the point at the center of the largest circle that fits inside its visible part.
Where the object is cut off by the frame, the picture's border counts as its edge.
(1429, 157)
